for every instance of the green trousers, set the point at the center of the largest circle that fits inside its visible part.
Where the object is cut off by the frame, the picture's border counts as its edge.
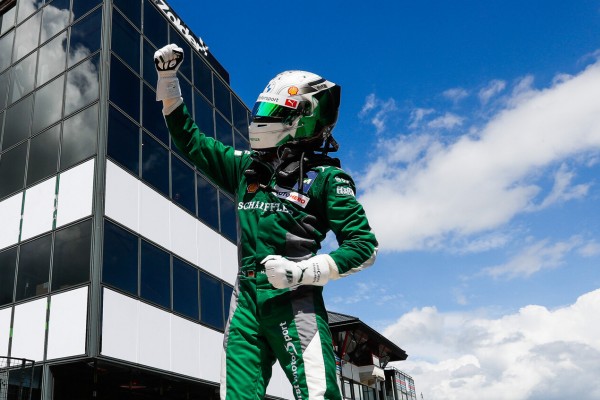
(267, 325)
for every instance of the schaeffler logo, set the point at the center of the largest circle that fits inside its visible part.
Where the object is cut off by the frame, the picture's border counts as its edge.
(291, 349)
(196, 42)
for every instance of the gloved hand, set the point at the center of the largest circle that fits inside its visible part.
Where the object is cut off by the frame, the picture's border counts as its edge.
(283, 273)
(167, 61)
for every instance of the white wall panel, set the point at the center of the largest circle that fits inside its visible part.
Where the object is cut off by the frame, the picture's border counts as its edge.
(154, 337)
(120, 321)
(75, 193)
(209, 257)
(154, 216)
(183, 234)
(10, 215)
(4, 330)
(229, 261)
(122, 197)
(211, 347)
(185, 347)
(29, 330)
(38, 212)
(67, 324)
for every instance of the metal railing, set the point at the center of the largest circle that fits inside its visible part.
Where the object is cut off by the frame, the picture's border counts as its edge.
(16, 378)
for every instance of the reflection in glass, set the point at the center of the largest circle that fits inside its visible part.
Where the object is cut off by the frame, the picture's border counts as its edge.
(27, 35)
(124, 88)
(240, 114)
(228, 221)
(149, 71)
(208, 209)
(152, 117)
(120, 258)
(85, 37)
(183, 189)
(54, 19)
(222, 98)
(34, 268)
(22, 78)
(123, 141)
(3, 90)
(81, 7)
(7, 21)
(203, 78)
(16, 124)
(82, 85)
(52, 58)
(126, 41)
(224, 134)
(241, 142)
(47, 105)
(185, 289)
(12, 170)
(155, 164)
(211, 303)
(79, 137)
(155, 275)
(8, 265)
(204, 115)
(43, 155)
(155, 26)
(72, 249)
(26, 8)
(132, 9)
(6, 44)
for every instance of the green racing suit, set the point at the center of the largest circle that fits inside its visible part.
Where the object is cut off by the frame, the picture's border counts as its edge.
(289, 218)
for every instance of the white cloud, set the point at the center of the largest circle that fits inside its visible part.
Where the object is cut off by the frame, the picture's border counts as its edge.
(455, 94)
(493, 88)
(446, 121)
(382, 110)
(417, 115)
(437, 190)
(533, 354)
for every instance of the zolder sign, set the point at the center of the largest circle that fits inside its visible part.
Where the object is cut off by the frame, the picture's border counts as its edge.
(196, 42)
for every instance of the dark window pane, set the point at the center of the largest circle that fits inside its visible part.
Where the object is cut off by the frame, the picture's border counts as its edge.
(8, 265)
(240, 121)
(43, 155)
(204, 115)
(52, 58)
(224, 132)
(228, 221)
(227, 293)
(80, 7)
(185, 289)
(6, 44)
(152, 116)
(155, 276)
(240, 142)
(120, 259)
(208, 209)
(72, 249)
(155, 26)
(22, 77)
(12, 170)
(16, 125)
(155, 164)
(7, 20)
(82, 85)
(124, 88)
(211, 304)
(132, 9)
(3, 90)
(55, 18)
(47, 107)
(79, 138)
(126, 41)
(203, 78)
(26, 36)
(123, 141)
(149, 71)
(184, 191)
(186, 67)
(222, 98)
(85, 37)
(34, 268)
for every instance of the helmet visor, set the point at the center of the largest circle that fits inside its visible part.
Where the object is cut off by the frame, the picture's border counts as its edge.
(275, 106)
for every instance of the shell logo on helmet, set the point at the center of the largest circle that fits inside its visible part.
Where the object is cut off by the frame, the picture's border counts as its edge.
(292, 91)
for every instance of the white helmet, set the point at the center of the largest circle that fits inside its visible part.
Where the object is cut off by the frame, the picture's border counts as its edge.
(295, 106)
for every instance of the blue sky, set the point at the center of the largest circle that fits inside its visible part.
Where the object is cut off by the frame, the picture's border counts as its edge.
(473, 131)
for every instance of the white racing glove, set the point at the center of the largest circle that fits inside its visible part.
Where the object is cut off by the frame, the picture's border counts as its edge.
(283, 273)
(167, 61)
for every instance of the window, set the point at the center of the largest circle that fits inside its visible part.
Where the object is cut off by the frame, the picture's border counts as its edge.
(55, 18)
(82, 85)
(183, 189)
(126, 41)
(155, 164)
(34, 268)
(204, 115)
(155, 26)
(16, 124)
(12, 170)
(6, 45)
(85, 37)
(123, 141)
(26, 36)
(186, 68)
(81, 7)
(222, 99)
(124, 89)
(47, 105)
(43, 155)
(72, 249)
(152, 116)
(203, 78)
(240, 116)
(155, 275)
(52, 57)
(7, 18)
(120, 258)
(149, 71)
(211, 305)
(185, 289)
(79, 137)
(22, 76)
(224, 134)
(208, 210)
(132, 9)
(228, 221)
(3, 90)
(227, 293)
(8, 265)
